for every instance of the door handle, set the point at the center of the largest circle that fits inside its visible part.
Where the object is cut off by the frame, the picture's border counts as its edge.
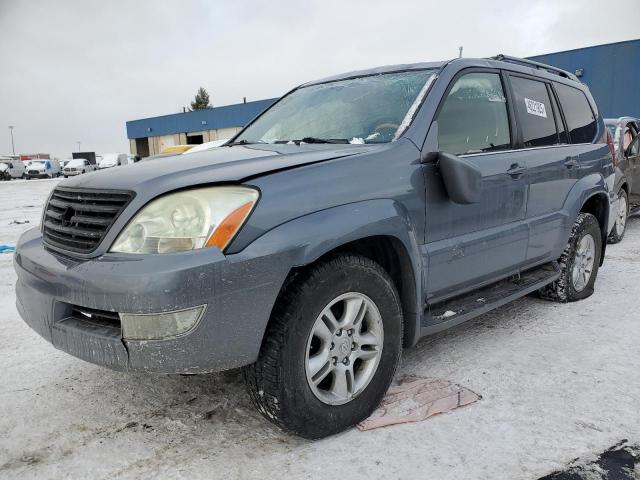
(571, 162)
(516, 170)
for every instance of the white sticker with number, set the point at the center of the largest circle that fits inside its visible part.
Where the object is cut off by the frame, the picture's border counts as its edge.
(535, 108)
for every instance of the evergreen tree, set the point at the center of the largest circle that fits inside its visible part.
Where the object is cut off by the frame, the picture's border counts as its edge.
(201, 100)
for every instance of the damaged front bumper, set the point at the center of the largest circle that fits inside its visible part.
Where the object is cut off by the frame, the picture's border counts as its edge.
(76, 304)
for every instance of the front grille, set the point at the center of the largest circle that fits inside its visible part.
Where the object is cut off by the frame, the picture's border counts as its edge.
(78, 219)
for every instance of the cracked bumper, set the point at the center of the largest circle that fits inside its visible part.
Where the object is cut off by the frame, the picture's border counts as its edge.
(239, 291)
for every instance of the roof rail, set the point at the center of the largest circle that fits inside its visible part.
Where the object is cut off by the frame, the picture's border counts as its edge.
(538, 65)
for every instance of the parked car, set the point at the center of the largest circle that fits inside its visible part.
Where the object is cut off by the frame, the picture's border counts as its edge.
(206, 146)
(10, 168)
(46, 168)
(355, 215)
(109, 160)
(77, 166)
(64, 161)
(624, 131)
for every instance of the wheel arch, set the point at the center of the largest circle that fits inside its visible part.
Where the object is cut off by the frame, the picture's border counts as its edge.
(597, 204)
(392, 255)
(377, 229)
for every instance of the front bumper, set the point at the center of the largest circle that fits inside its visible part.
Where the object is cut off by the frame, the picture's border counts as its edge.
(71, 173)
(239, 292)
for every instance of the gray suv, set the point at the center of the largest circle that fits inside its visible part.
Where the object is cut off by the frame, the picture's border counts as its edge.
(354, 216)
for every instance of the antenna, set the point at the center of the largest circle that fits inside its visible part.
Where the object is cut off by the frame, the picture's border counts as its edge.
(460, 52)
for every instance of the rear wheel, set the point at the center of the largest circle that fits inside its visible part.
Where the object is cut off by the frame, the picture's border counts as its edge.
(579, 262)
(331, 348)
(619, 228)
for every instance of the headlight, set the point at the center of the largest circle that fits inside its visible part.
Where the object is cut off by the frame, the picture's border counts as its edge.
(187, 220)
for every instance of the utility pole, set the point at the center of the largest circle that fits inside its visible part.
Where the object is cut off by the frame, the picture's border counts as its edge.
(13, 147)
(460, 52)
(78, 145)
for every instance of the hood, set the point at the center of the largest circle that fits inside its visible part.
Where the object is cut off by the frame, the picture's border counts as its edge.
(224, 164)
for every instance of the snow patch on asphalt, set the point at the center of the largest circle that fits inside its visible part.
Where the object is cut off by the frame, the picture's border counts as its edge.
(559, 381)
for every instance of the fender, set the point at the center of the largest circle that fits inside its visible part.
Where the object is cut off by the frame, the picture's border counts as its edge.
(305, 239)
(586, 188)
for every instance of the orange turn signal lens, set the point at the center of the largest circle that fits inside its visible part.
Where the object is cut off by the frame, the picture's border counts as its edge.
(224, 232)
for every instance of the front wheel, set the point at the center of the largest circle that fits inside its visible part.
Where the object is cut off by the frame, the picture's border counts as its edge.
(579, 262)
(619, 228)
(331, 348)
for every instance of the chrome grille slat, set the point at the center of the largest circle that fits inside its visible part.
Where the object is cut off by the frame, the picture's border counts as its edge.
(77, 220)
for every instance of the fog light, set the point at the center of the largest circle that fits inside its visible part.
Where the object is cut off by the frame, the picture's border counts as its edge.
(158, 326)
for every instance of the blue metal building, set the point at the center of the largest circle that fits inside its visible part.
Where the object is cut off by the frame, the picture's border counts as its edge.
(612, 72)
(148, 136)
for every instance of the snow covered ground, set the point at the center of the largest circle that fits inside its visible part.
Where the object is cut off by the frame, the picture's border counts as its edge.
(558, 382)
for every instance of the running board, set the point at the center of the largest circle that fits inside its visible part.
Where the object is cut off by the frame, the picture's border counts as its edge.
(452, 312)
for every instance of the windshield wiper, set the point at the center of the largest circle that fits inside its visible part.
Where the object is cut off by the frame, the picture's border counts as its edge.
(314, 140)
(323, 140)
(242, 142)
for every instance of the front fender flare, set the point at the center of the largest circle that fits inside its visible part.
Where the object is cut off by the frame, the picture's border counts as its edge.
(304, 240)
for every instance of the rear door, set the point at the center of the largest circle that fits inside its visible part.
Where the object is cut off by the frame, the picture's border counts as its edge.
(552, 163)
(472, 245)
(633, 155)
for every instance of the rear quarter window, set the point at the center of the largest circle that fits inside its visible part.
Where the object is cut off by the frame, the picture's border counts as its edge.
(581, 121)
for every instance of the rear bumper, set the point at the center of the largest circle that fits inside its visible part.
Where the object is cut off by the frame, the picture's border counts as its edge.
(239, 293)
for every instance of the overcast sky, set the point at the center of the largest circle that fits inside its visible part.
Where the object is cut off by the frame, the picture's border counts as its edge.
(78, 70)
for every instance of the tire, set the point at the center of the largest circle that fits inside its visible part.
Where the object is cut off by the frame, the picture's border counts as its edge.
(567, 288)
(66, 176)
(617, 234)
(278, 382)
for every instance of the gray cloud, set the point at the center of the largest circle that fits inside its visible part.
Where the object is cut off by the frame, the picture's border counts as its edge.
(77, 70)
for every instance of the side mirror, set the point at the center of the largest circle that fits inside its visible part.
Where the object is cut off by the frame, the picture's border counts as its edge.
(462, 179)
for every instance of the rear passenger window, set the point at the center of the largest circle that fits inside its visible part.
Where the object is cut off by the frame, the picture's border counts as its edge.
(578, 114)
(474, 117)
(534, 112)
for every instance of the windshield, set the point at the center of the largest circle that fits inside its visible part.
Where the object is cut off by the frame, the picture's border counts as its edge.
(372, 109)
(613, 129)
(75, 163)
(37, 164)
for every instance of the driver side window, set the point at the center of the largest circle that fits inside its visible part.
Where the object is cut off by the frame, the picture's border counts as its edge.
(474, 117)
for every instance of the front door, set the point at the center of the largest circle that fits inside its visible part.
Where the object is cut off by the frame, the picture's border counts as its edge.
(470, 245)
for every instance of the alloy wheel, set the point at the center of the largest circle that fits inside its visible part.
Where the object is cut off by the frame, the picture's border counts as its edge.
(344, 348)
(583, 263)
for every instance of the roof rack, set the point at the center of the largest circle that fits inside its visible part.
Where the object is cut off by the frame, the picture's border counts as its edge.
(538, 65)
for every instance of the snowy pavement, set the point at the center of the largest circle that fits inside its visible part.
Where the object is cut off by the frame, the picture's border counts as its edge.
(558, 382)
